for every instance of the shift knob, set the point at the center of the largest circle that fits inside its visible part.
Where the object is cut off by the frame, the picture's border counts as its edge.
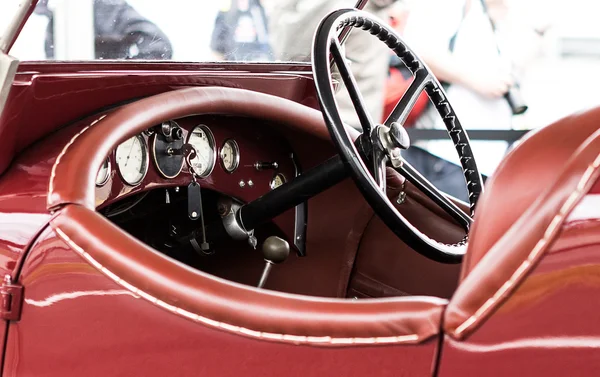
(275, 250)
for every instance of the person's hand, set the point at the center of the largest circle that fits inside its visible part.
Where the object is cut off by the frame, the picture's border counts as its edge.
(488, 84)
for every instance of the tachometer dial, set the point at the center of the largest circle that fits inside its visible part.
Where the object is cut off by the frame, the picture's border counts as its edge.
(203, 141)
(103, 173)
(278, 180)
(230, 155)
(132, 160)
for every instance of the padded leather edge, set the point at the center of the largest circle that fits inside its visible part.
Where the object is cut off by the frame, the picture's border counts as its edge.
(514, 255)
(241, 309)
(73, 174)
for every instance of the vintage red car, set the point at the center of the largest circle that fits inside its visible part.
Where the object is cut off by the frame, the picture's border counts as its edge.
(141, 203)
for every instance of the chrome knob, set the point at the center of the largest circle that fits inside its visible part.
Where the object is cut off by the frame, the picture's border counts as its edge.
(398, 136)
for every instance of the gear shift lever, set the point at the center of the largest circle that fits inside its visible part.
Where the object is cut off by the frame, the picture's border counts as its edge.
(275, 250)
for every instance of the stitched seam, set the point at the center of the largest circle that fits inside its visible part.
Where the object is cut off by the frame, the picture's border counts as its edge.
(298, 339)
(62, 154)
(538, 248)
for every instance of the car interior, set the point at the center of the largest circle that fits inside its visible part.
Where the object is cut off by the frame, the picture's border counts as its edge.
(175, 185)
(222, 194)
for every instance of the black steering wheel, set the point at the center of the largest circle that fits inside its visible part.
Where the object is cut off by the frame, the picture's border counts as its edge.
(379, 145)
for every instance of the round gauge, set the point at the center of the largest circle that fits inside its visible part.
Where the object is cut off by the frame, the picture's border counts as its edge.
(278, 180)
(164, 150)
(230, 155)
(132, 160)
(103, 173)
(203, 141)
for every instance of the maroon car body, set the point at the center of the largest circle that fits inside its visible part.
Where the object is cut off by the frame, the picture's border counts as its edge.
(82, 297)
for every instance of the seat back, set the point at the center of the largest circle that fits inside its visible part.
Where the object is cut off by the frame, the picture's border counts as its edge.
(520, 215)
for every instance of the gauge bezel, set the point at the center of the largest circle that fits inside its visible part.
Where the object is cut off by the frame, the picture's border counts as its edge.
(157, 165)
(211, 140)
(272, 182)
(236, 149)
(108, 170)
(146, 161)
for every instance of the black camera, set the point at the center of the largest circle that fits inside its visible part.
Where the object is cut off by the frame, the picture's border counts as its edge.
(515, 100)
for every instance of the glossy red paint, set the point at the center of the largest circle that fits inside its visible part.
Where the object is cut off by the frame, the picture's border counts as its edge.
(64, 93)
(76, 321)
(548, 327)
(23, 205)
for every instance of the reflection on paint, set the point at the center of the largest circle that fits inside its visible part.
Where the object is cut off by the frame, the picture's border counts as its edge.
(587, 209)
(73, 295)
(533, 343)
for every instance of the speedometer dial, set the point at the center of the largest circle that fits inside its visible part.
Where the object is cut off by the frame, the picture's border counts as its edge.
(132, 160)
(203, 141)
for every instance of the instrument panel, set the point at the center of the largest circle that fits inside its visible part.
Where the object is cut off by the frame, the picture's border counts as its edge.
(239, 157)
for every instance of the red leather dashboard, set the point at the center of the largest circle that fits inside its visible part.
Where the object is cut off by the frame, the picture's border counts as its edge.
(257, 143)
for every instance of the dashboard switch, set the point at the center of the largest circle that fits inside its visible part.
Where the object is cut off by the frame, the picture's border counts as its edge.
(266, 165)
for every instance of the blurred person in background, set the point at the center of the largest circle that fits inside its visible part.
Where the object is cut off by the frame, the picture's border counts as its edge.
(400, 77)
(521, 27)
(120, 32)
(457, 41)
(294, 22)
(241, 32)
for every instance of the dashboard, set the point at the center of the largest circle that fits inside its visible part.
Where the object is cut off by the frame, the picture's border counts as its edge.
(238, 157)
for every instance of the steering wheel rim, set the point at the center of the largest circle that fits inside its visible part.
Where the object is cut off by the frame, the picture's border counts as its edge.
(381, 144)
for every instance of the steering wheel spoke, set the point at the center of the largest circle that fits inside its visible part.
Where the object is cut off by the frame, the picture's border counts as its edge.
(409, 99)
(381, 144)
(427, 188)
(350, 82)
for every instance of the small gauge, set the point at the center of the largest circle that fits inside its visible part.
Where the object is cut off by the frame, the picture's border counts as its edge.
(132, 160)
(278, 180)
(203, 141)
(230, 155)
(103, 173)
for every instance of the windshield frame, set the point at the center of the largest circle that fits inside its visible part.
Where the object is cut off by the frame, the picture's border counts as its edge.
(14, 27)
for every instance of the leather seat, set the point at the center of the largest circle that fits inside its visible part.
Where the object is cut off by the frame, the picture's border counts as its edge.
(519, 216)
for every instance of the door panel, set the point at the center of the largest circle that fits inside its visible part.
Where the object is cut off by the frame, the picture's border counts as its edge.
(386, 266)
(76, 321)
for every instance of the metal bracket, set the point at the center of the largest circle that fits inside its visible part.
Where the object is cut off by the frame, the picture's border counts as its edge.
(228, 210)
(11, 296)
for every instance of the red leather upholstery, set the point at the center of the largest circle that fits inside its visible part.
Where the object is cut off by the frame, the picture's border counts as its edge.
(195, 295)
(531, 194)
